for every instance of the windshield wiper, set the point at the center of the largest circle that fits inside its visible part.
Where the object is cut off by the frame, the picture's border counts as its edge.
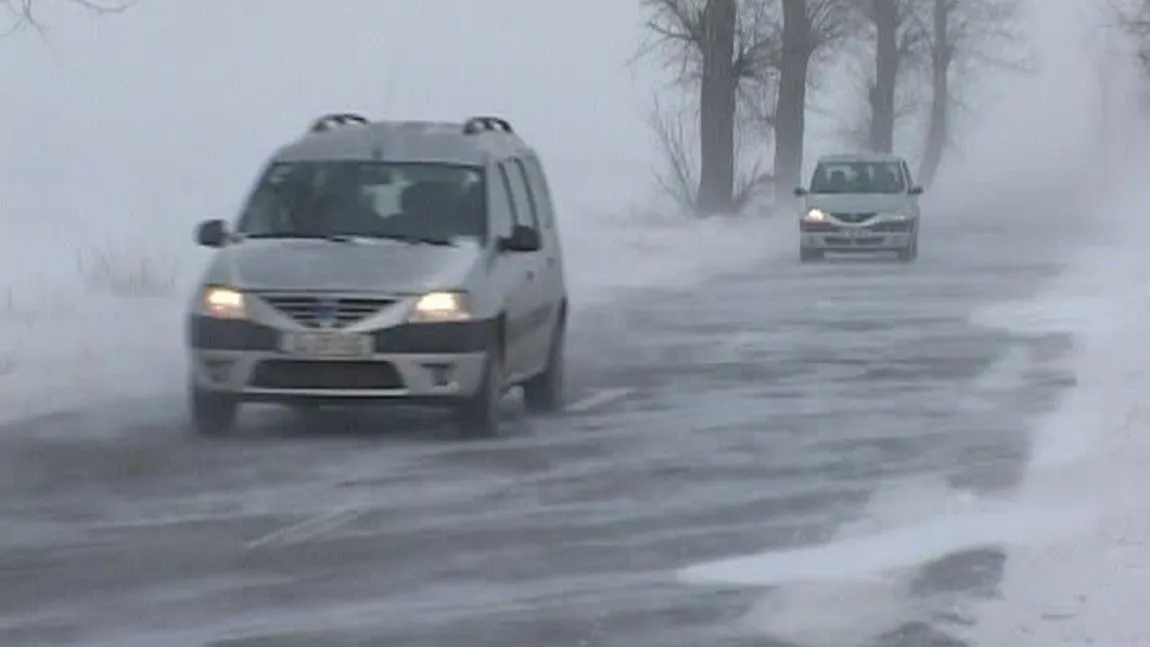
(284, 234)
(418, 240)
(359, 238)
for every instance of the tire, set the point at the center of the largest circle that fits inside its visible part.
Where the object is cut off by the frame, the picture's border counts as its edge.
(544, 392)
(808, 254)
(213, 414)
(478, 415)
(910, 253)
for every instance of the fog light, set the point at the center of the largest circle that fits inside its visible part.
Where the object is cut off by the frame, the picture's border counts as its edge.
(219, 370)
(440, 373)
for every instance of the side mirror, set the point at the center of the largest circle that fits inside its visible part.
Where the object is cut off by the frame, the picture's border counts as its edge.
(522, 239)
(915, 190)
(212, 233)
(800, 192)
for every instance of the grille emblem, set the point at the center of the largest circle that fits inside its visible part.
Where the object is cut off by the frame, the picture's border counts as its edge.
(326, 311)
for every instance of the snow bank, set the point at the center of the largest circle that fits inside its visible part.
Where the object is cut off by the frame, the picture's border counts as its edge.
(98, 322)
(867, 570)
(1093, 451)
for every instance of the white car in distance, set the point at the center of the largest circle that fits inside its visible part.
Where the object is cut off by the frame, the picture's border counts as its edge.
(859, 203)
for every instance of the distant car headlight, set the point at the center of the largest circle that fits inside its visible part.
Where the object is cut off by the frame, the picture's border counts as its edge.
(815, 215)
(224, 303)
(441, 306)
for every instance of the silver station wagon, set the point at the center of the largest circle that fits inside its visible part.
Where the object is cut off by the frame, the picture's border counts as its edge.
(864, 202)
(386, 261)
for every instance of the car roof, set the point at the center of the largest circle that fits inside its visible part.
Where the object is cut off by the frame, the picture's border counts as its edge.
(348, 136)
(860, 157)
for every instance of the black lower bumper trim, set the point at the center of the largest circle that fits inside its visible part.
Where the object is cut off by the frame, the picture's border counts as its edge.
(448, 337)
(336, 375)
(206, 333)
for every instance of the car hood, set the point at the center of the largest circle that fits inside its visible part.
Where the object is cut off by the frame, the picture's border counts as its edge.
(321, 265)
(858, 202)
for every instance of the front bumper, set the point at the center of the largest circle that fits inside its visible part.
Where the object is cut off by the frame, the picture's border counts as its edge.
(884, 236)
(409, 362)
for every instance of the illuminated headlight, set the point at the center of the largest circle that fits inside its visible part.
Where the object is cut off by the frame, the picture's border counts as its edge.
(815, 215)
(224, 303)
(441, 306)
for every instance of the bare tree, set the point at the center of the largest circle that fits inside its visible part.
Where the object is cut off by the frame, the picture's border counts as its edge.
(971, 35)
(1133, 17)
(23, 12)
(714, 45)
(810, 29)
(898, 41)
(678, 180)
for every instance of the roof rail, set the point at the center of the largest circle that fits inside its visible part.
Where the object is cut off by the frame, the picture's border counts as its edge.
(476, 125)
(337, 120)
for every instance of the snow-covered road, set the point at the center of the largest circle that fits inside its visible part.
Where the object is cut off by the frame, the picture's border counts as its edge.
(853, 412)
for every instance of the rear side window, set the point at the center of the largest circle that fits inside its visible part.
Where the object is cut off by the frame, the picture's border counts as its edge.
(524, 214)
(502, 208)
(541, 193)
(909, 177)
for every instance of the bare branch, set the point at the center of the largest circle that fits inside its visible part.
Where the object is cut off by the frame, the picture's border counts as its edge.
(23, 12)
(677, 180)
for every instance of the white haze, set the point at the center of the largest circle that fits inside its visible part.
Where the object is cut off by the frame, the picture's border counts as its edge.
(119, 133)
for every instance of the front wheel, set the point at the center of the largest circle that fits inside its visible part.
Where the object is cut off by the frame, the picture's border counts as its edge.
(478, 415)
(213, 414)
(544, 392)
(910, 253)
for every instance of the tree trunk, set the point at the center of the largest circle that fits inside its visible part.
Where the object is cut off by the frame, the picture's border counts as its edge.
(938, 127)
(886, 76)
(790, 111)
(717, 99)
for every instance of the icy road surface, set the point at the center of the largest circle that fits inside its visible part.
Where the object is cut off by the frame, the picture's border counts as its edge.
(774, 409)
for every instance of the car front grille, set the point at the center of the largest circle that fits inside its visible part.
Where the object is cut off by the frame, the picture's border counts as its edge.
(892, 227)
(853, 218)
(325, 375)
(323, 312)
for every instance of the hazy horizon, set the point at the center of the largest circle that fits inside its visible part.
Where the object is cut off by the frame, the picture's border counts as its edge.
(148, 121)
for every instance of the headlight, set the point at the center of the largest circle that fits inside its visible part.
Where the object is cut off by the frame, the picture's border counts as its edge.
(815, 215)
(441, 306)
(224, 303)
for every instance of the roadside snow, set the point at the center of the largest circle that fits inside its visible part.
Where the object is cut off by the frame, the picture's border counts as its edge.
(1093, 452)
(78, 326)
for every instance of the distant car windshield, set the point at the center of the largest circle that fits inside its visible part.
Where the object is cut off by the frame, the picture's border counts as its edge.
(324, 199)
(858, 177)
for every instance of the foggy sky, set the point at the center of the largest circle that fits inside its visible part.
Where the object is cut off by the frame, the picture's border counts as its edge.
(143, 123)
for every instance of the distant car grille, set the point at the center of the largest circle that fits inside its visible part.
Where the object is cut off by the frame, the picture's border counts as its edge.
(321, 312)
(341, 375)
(894, 227)
(853, 217)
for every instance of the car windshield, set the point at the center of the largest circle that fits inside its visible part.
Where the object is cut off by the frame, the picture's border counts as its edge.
(858, 177)
(329, 199)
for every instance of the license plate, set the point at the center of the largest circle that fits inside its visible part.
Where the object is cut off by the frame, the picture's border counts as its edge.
(328, 345)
